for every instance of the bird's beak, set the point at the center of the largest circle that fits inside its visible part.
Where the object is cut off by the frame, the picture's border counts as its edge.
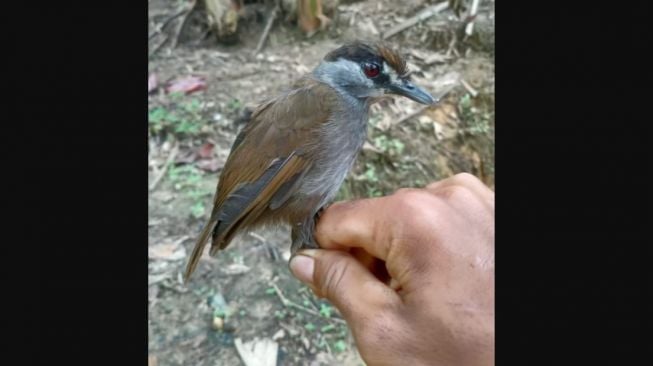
(410, 90)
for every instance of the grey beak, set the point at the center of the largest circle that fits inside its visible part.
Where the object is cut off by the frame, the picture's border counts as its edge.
(410, 90)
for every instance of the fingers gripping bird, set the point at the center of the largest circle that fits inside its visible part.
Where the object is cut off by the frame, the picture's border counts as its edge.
(292, 156)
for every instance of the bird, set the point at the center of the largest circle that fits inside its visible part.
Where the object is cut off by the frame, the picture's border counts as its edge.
(290, 158)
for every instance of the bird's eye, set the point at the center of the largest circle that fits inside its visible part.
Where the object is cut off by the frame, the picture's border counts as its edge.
(371, 70)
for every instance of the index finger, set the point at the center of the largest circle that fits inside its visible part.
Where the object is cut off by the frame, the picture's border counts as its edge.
(396, 226)
(352, 224)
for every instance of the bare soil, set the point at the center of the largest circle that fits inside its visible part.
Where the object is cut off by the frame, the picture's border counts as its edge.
(239, 293)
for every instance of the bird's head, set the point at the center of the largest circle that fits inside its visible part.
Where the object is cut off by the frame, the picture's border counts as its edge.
(369, 70)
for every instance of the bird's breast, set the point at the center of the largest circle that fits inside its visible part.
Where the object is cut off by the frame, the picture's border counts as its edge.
(333, 157)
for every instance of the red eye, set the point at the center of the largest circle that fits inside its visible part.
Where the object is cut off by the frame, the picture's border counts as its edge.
(371, 70)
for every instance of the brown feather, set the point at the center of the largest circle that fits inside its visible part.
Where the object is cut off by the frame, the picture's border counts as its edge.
(393, 59)
(198, 249)
(275, 131)
(252, 213)
(356, 49)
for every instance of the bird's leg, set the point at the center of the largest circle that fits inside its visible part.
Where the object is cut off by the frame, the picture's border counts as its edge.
(302, 233)
(320, 212)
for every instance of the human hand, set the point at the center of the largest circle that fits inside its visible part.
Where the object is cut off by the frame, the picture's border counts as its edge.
(412, 273)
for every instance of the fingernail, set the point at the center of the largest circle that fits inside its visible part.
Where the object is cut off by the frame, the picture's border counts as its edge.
(302, 267)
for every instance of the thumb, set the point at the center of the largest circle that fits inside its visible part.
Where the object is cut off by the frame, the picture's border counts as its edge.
(337, 276)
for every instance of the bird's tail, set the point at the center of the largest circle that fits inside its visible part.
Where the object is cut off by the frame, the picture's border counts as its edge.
(199, 248)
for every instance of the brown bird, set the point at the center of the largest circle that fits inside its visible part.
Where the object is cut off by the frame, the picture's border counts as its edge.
(292, 156)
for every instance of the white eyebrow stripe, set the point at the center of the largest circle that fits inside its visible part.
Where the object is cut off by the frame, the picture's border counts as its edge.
(390, 72)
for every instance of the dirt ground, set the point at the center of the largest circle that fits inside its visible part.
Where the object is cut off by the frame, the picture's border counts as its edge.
(247, 292)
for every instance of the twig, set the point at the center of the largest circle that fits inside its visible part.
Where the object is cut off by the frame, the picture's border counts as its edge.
(164, 169)
(201, 38)
(266, 31)
(173, 288)
(469, 88)
(421, 16)
(420, 166)
(305, 296)
(156, 48)
(186, 13)
(412, 115)
(327, 345)
(166, 22)
(258, 237)
(452, 46)
(472, 15)
(288, 303)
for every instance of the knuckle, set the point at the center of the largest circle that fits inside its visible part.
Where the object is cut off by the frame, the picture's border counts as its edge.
(419, 210)
(458, 193)
(403, 191)
(415, 202)
(466, 179)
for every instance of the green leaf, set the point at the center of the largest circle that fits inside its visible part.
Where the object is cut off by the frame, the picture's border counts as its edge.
(325, 310)
(197, 210)
(157, 115)
(340, 346)
(327, 328)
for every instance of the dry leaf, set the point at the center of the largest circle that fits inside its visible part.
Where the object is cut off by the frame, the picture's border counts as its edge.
(154, 279)
(186, 157)
(222, 17)
(259, 352)
(170, 252)
(235, 268)
(369, 147)
(279, 334)
(209, 165)
(186, 85)
(163, 196)
(311, 17)
(437, 58)
(152, 83)
(205, 151)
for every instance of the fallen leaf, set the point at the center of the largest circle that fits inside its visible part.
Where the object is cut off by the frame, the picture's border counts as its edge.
(169, 252)
(186, 85)
(235, 268)
(154, 279)
(369, 147)
(310, 16)
(154, 222)
(186, 157)
(205, 151)
(279, 334)
(437, 58)
(209, 165)
(418, 54)
(152, 293)
(163, 196)
(324, 358)
(258, 352)
(152, 83)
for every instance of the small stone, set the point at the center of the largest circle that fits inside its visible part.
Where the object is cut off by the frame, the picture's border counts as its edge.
(218, 323)
(278, 335)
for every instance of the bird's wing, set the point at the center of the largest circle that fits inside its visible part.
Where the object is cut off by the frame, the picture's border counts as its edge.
(268, 158)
